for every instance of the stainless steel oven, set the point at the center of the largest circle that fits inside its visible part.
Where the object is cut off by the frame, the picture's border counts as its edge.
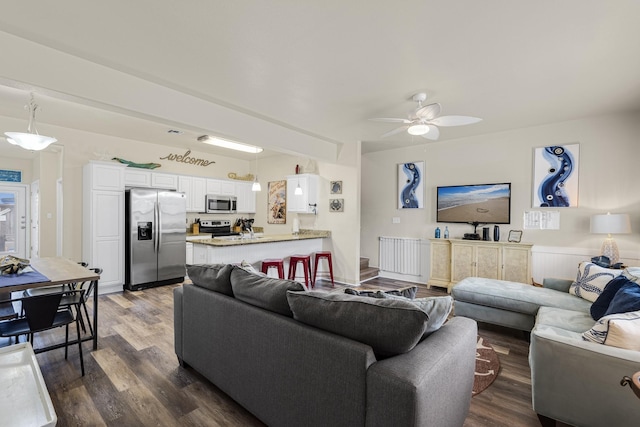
(220, 204)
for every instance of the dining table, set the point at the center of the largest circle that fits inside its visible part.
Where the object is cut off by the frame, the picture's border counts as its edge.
(60, 271)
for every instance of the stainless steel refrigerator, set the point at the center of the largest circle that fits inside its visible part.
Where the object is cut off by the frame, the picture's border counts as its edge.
(155, 243)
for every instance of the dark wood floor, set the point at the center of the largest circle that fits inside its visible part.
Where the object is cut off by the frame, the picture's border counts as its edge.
(134, 379)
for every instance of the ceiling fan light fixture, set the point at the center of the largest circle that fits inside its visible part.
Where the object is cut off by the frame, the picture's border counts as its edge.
(232, 145)
(30, 140)
(419, 129)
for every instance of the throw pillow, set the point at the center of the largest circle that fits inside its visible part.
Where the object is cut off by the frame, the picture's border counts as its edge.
(246, 266)
(617, 330)
(601, 304)
(215, 277)
(625, 300)
(632, 273)
(437, 308)
(591, 280)
(389, 326)
(264, 292)
(407, 292)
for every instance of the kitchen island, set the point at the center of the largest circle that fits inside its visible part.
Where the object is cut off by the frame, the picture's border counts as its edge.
(235, 249)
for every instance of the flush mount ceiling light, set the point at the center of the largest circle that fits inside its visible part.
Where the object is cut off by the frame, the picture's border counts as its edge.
(225, 143)
(30, 140)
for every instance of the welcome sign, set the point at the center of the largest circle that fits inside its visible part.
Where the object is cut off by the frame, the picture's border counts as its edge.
(185, 158)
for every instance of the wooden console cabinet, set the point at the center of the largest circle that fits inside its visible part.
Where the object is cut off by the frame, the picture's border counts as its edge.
(452, 260)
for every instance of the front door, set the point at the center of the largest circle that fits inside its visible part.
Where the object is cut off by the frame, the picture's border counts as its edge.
(13, 220)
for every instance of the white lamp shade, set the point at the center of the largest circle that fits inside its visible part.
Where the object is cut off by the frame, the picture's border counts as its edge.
(256, 185)
(610, 224)
(29, 141)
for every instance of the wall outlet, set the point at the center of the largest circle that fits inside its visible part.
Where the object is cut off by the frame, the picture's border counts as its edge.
(395, 220)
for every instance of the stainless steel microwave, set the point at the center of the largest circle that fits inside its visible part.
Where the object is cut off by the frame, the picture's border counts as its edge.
(220, 204)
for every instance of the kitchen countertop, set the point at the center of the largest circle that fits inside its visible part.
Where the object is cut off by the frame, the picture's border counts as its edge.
(267, 238)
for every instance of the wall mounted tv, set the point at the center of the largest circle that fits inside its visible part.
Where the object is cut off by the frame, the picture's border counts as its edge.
(480, 203)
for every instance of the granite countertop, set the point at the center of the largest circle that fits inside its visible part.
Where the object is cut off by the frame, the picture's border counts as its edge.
(268, 238)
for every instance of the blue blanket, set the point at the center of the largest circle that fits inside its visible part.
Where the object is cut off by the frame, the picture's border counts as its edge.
(22, 278)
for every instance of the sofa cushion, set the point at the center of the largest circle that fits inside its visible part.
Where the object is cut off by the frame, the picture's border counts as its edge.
(514, 296)
(591, 280)
(617, 330)
(264, 292)
(389, 326)
(625, 300)
(601, 304)
(407, 292)
(215, 277)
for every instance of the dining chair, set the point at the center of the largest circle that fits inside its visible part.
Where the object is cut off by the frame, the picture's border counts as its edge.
(6, 307)
(42, 313)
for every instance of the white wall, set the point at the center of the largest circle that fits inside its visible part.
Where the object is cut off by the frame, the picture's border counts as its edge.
(609, 154)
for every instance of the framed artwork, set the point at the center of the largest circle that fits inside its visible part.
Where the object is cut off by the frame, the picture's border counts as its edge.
(411, 185)
(335, 187)
(9, 175)
(336, 205)
(555, 176)
(277, 202)
(514, 236)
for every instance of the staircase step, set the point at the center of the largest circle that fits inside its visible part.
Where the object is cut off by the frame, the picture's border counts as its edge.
(368, 273)
(364, 263)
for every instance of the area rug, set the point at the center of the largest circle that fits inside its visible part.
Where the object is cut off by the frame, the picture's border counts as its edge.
(487, 366)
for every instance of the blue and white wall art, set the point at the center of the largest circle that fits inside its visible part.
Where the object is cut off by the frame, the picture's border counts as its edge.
(555, 176)
(411, 185)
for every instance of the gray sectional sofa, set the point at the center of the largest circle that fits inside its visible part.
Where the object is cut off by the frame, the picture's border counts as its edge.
(572, 380)
(233, 327)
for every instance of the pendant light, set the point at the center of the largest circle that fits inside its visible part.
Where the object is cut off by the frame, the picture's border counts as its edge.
(256, 185)
(31, 140)
(298, 190)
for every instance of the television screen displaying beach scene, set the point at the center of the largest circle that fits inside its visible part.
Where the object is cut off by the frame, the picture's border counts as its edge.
(481, 203)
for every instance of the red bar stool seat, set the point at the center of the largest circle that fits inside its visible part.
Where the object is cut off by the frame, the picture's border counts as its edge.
(306, 265)
(319, 255)
(273, 262)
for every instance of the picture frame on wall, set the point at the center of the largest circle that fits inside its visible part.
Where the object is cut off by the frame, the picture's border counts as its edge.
(411, 185)
(336, 205)
(555, 176)
(514, 236)
(277, 202)
(335, 187)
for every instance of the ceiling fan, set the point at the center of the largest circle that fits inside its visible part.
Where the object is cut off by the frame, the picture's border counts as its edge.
(424, 120)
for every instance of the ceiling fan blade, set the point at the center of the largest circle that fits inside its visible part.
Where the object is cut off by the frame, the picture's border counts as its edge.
(390, 120)
(394, 131)
(433, 134)
(428, 112)
(454, 120)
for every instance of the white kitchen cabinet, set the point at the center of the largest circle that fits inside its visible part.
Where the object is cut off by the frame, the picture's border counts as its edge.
(195, 189)
(189, 259)
(246, 198)
(308, 201)
(164, 180)
(137, 177)
(221, 187)
(103, 222)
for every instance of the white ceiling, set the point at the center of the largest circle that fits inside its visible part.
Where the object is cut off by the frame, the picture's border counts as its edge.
(321, 68)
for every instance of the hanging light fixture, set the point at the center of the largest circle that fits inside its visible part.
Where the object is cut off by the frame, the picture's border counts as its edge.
(31, 140)
(256, 185)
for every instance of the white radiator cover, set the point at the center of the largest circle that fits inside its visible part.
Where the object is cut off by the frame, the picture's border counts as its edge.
(404, 258)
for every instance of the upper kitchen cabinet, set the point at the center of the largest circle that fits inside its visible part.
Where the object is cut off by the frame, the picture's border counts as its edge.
(221, 187)
(144, 178)
(105, 176)
(195, 189)
(246, 198)
(308, 201)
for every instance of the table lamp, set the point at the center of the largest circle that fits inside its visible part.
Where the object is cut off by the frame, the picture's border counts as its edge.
(610, 224)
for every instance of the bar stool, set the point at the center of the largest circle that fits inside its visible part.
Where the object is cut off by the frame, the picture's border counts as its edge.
(317, 256)
(273, 262)
(306, 265)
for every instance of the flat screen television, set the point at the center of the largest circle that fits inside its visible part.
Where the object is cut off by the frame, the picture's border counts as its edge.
(480, 203)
